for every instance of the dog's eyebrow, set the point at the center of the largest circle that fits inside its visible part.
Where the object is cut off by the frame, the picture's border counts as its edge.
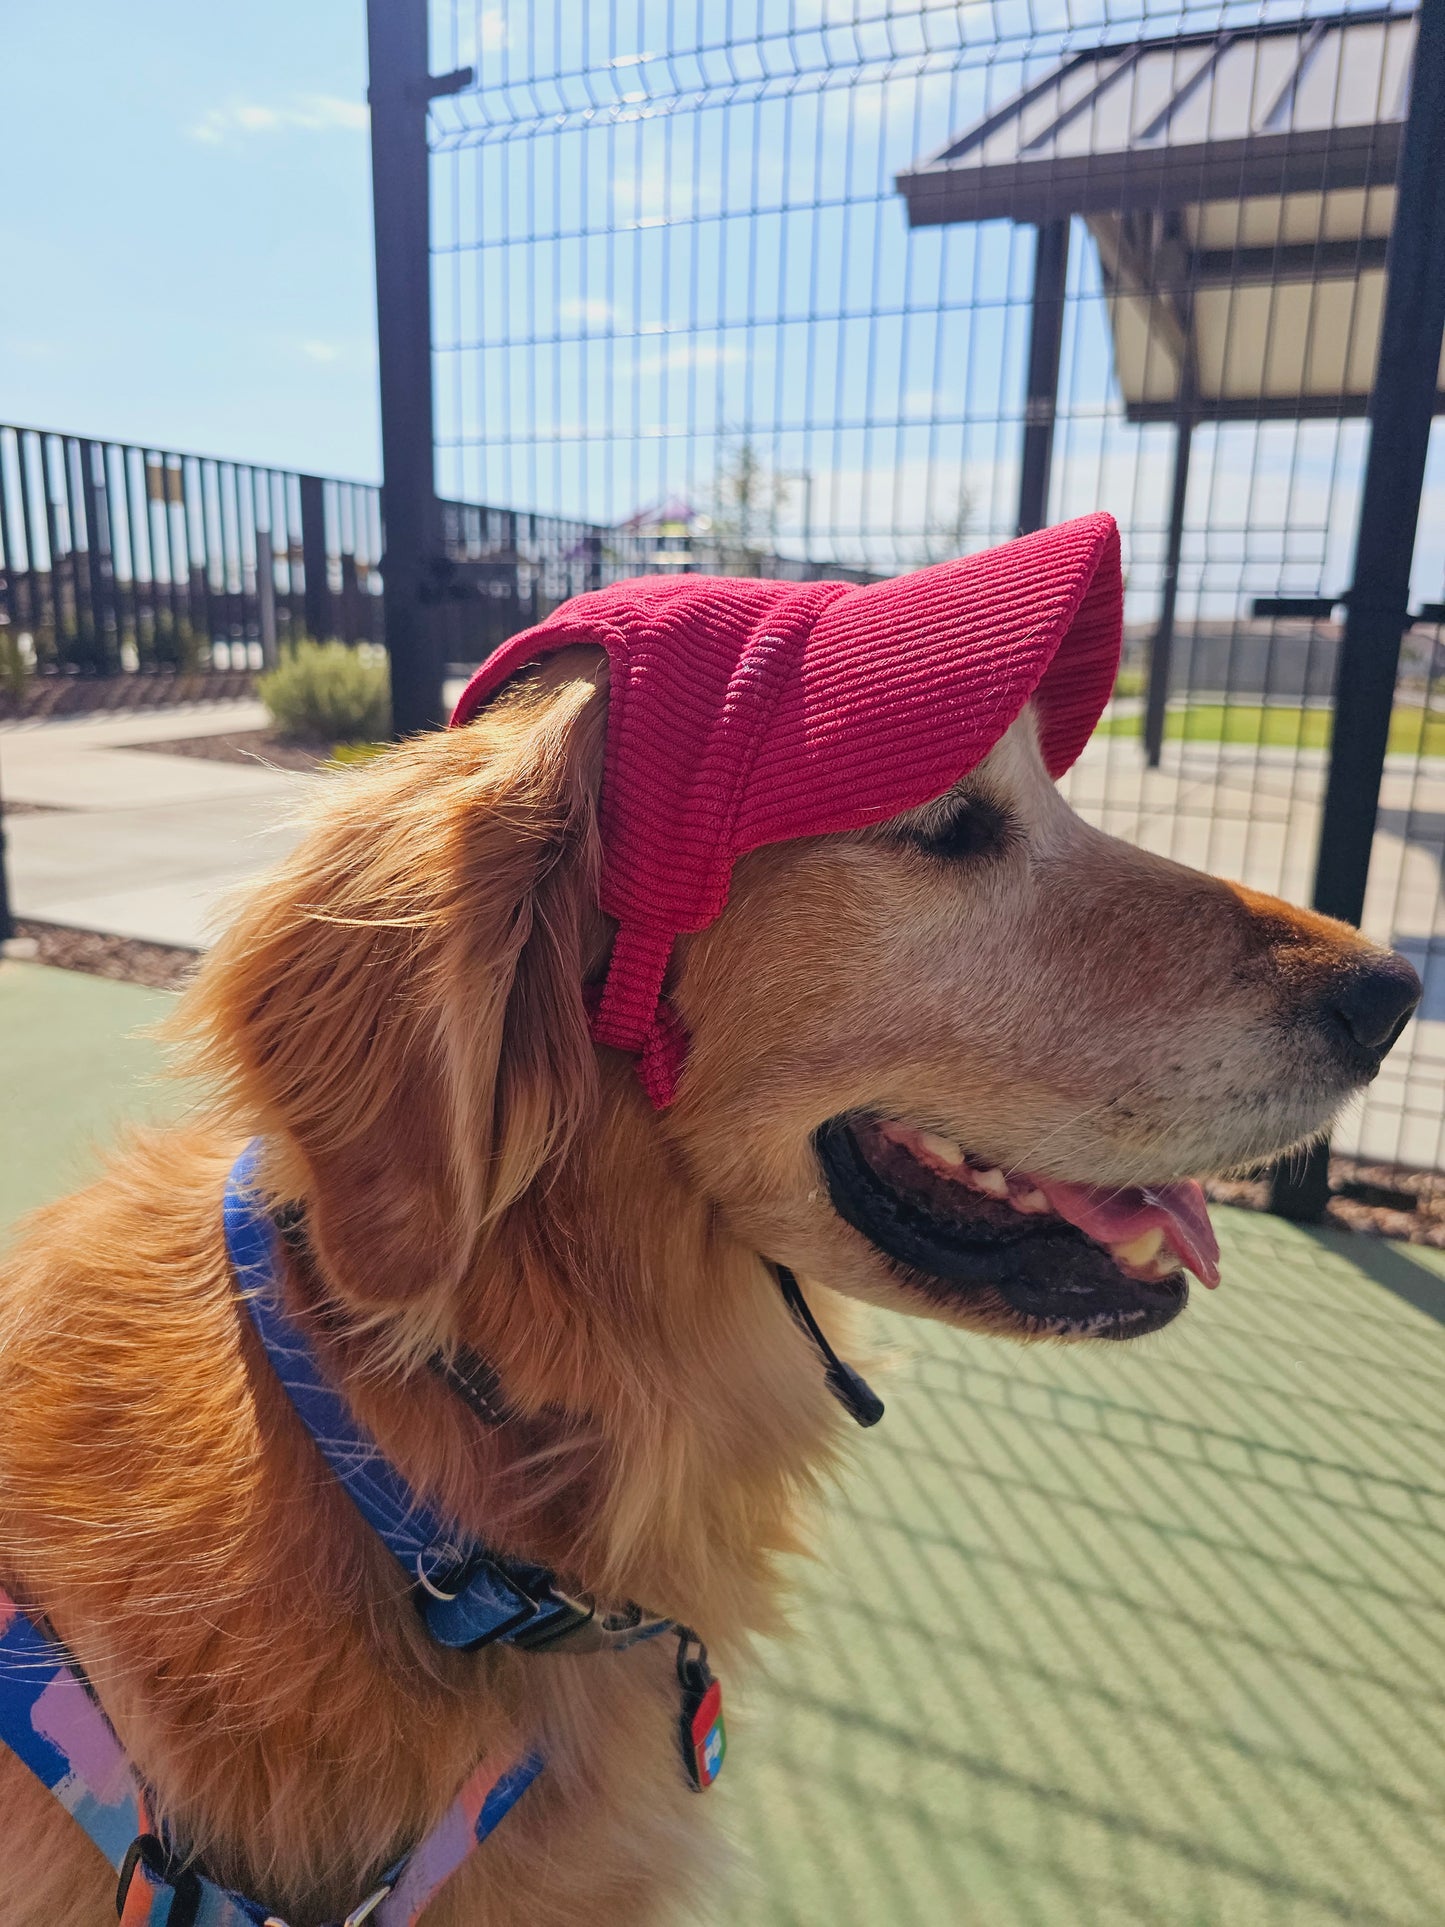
(929, 817)
(968, 822)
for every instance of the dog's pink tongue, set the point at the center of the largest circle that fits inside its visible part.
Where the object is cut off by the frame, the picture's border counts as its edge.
(1113, 1217)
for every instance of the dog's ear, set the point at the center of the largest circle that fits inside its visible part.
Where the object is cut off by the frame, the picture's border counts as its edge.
(399, 1010)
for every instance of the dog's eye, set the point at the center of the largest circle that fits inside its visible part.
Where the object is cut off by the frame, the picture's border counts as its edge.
(969, 826)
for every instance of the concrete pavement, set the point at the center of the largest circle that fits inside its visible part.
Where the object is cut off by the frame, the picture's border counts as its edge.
(140, 845)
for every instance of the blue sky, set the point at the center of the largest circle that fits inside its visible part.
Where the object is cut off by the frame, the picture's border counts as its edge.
(186, 255)
(186, 236)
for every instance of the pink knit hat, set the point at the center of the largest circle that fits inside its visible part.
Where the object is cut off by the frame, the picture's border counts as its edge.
(743, 713)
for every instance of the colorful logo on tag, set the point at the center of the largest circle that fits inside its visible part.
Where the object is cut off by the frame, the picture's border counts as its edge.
(709, 1736)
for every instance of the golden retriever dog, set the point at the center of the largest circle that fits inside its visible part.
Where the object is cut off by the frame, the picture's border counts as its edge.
(909, 1044)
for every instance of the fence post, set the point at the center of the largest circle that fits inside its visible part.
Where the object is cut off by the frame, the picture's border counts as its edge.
(266, 593)
(401, 86)
(313, 557)
(1402, 403)
(1161, 650)
(1046, 334)
(99, 568)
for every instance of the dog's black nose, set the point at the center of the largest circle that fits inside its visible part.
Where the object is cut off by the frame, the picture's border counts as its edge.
(1372, 1003)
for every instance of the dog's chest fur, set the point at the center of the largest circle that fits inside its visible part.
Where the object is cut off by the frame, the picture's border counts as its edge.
(249, 1637)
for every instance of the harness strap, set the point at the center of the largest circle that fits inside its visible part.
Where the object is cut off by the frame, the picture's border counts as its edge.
(51, 1721)
(469, 1596)
(483, 1803)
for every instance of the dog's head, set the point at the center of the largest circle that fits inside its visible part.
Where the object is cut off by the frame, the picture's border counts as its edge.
(970, 1062)
(962, 1062)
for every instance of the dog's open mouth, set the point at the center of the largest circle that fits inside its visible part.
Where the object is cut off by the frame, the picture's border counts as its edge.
(1066, 1260)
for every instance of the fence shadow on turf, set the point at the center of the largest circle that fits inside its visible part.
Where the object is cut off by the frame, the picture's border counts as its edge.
(1140, 1639)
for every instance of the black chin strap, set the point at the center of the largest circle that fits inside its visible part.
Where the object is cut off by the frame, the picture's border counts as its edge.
(475, 1381)
(850, 1388)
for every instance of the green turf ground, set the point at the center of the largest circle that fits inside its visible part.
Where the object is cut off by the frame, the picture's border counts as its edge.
(1100, 1637)
(1413, 731)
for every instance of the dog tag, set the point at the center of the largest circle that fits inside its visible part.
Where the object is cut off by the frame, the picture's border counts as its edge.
(701, 1729)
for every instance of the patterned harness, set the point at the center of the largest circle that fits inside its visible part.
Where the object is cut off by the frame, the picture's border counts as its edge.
(51, 1719)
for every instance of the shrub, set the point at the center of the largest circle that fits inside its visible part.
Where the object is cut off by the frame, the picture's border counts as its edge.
(326, 692)
(17, 660)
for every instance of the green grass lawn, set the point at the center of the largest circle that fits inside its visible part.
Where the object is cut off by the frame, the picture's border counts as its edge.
(1413, 731)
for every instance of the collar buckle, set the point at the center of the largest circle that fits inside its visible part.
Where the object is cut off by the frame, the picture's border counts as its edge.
(561, 1618)
(148, 1858)
(366, 1908)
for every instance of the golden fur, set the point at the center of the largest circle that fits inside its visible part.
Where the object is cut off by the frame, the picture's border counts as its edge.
(398, 1011)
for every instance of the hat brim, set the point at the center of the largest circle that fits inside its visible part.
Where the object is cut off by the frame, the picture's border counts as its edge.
(904, 686)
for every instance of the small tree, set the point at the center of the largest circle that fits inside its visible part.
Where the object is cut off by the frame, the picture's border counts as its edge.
(945, 532)
(749, 498)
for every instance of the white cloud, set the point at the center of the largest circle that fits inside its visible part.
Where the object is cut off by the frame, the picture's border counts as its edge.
(491, 30)
(688, 354)
(591, 310)
(322, 351)
(307, 113)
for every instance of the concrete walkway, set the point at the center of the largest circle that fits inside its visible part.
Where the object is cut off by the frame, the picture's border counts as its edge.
(140, 845)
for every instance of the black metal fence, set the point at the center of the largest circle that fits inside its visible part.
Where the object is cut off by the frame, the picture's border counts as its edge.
(115, 558)
(859, 283)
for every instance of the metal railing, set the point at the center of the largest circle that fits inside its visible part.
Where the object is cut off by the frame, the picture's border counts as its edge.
(117, 559)
(120, 559)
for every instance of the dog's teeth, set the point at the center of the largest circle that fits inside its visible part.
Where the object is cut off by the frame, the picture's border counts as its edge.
(994, 1182)
(1142, 1250)
(1031, 1201)
(942, 1148)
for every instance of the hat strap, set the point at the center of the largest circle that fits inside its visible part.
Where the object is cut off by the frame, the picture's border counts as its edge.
(632, 1014)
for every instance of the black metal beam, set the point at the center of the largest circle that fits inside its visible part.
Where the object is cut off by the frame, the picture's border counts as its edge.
(401, 86)
(1314, 608)
(1378, 607)
(1253, 408)
(1048, 187)
(1290, 261)
(1161, 650)
(1046, 334)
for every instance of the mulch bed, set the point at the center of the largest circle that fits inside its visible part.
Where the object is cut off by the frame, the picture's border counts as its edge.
(162, 966)
(248, 746)
(1379, 1199)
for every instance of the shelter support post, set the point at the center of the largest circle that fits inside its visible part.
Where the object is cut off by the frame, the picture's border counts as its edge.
(1162, 648)
(1046, 334)
(401, 87)
(1401, 404)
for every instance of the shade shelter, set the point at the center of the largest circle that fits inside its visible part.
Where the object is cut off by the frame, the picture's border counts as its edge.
(1240, 189)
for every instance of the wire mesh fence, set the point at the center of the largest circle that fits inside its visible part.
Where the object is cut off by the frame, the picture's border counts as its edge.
(859, 284)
